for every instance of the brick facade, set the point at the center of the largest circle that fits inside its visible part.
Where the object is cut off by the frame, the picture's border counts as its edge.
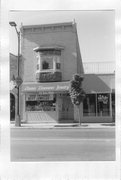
(63, 34)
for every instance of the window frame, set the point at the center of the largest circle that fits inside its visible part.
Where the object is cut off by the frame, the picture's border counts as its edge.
(56, 58)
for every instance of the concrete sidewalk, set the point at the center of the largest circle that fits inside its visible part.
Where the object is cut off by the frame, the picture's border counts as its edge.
(69, 125)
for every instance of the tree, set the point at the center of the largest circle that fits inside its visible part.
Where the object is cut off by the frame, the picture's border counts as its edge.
(76, 92)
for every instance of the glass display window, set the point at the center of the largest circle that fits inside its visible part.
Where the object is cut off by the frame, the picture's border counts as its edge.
(39, 102)
(96, 105)
(31, 97)
(58, 66)
(89, 105)
(103, 104)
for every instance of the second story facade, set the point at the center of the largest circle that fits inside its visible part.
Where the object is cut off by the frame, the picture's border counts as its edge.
(50, 52)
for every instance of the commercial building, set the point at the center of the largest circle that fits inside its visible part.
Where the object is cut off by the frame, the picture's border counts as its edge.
(50, 56)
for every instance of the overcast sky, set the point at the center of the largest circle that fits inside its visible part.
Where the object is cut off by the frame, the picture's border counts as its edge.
(96, 30)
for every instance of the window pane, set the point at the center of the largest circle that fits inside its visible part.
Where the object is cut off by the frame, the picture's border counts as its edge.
(47, 62)
(40, 106)
(103, 104)
(39, 102)
(113, 106)
(89, 105)
(45, 65)
(37, 66)
(57, 65)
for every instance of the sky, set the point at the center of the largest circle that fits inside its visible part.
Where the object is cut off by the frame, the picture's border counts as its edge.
(96, 30)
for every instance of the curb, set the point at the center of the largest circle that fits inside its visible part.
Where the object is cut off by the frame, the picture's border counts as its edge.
(64, 126)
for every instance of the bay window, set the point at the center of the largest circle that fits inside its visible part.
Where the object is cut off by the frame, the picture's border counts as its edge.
(48, 68)
(48, 60)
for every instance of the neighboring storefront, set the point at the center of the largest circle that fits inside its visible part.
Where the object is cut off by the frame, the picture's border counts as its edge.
(13, 91)
(99, 104)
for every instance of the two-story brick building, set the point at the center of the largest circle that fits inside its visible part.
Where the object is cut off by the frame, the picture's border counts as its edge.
(50, 56)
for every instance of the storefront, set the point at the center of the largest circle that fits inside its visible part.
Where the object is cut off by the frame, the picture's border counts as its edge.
(47, 102)
(98, 106)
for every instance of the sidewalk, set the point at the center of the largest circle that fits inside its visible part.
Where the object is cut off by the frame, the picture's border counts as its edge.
(69, 125)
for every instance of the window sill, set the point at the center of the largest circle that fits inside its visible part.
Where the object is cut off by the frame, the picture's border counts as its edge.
(48, 70)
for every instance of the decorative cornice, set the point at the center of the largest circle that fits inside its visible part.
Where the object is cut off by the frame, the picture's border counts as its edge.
(45, 28)
(48, 47)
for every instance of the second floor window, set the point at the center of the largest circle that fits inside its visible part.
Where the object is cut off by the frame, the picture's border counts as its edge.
(37, 66)
(58, 66)
(45, 65)
(49, 60)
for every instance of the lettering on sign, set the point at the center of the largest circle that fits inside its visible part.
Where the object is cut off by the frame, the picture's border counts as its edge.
(49, 89)
(27, 88)
(40, 88)
(62, 87)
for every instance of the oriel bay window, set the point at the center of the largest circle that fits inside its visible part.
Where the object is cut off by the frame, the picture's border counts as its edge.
(40, 102)
(48, 64)
(48, 60)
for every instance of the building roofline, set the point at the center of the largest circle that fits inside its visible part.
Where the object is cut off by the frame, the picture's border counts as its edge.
(47, 25)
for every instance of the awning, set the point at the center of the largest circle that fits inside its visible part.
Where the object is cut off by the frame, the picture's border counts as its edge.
(91, 84)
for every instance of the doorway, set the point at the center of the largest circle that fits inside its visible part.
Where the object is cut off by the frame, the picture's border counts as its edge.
(12, 107)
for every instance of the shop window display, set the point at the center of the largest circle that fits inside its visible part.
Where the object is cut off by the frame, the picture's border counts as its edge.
(41, 102)
(103, 105)
(89, 105)
(96, 105)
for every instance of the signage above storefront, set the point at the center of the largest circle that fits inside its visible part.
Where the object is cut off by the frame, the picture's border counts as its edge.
(39, 87)
(39, 97)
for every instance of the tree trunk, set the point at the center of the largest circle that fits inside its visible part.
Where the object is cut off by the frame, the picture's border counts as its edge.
(79, 115)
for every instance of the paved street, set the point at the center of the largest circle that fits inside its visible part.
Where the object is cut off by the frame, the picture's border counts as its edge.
(63, 144)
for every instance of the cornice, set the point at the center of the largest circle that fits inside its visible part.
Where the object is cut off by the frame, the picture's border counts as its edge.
(47, 28)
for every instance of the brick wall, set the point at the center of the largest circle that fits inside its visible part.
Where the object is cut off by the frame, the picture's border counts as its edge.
(34, 38)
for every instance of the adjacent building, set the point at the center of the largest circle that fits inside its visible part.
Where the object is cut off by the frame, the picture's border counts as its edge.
(13, 90)
(50, 56)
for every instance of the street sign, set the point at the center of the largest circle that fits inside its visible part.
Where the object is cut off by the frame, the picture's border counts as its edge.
(18, 81)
